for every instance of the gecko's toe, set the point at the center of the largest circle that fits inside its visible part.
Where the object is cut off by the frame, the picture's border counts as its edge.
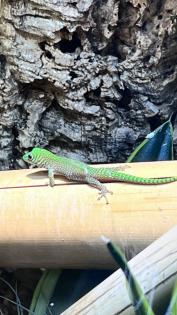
(103, 195)
(109, 192)
(51, 184)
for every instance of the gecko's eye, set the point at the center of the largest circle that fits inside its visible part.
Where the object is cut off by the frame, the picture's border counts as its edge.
(30, 157)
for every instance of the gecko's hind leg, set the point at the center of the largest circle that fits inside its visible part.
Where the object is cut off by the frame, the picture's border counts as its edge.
(103, 190)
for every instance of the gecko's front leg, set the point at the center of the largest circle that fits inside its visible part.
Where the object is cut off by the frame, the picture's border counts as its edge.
(51, 177)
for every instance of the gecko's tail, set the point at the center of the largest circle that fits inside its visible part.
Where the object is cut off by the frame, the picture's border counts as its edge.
(106, 174)
(146, 181)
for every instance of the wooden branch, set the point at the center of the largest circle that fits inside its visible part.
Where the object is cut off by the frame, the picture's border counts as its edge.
(156, 270)
(61, 226)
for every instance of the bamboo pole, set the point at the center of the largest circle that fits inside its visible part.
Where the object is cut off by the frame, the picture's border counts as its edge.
(155, 268)
(61, 226)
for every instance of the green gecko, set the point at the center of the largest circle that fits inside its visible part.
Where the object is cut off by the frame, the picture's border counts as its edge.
(80, 171)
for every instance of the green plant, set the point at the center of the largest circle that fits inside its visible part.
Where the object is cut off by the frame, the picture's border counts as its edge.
(139, 300)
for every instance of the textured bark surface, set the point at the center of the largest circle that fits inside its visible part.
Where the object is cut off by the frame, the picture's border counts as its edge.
(84, 78)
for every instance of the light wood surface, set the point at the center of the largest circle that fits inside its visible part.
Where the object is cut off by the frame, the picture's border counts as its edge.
(61, 226)
(155, 269)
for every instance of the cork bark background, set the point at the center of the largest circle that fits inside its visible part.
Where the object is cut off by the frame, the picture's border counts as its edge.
(84, 78)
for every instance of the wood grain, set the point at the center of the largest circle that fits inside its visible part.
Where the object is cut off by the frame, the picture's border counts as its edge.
(61, 226)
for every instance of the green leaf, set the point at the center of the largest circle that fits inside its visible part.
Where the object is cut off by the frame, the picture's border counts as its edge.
(73, 284)
(44, 291)
(158, 145)
(137, 296)
(172, 309)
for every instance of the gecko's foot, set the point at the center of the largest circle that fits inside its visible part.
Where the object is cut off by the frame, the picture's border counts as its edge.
(103, 193)
(51, 183)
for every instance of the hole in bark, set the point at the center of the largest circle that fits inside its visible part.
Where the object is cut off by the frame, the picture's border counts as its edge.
(88, 97)
(110, 28)
(97, 92)
(64, 33)
(48, 54)
(126, 98)
(154, 122)
(2, 60)
(74, 4)
(69, 46)
(2, 63)
(92, 95)
(147, 58)
(42, 45)
(73, 75)
(15, 133)
(165, 45)
(144, 26)
(160, 16)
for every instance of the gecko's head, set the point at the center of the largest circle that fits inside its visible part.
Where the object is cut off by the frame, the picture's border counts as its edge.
(32, 156)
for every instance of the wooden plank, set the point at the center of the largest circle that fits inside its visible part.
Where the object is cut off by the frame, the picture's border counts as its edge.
(155, 269)
(61, 226)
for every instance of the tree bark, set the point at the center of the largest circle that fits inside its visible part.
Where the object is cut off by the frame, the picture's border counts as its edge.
(84, 78)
